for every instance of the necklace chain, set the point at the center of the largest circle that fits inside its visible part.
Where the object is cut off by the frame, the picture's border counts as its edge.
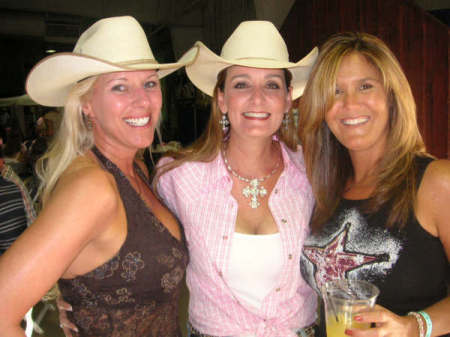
(253, 189)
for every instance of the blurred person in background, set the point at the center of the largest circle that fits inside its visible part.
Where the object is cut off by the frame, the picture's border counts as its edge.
(16, 207)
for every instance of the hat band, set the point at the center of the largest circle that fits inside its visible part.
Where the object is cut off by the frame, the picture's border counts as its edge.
(129, 63)
(258, 58)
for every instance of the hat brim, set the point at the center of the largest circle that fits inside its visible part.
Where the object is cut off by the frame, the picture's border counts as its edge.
(50, 80)
(207, 65)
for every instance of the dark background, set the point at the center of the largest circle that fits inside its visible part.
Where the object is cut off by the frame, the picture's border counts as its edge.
(417, 31)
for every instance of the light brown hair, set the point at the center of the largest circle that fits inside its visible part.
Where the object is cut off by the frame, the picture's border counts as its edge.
(328, 162)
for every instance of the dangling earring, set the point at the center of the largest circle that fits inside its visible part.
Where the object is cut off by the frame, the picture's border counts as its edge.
(295, 117)
(224, 122)
(286, 120)
(87, 121)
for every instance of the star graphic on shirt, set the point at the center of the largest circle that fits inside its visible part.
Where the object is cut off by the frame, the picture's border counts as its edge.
(333, 261)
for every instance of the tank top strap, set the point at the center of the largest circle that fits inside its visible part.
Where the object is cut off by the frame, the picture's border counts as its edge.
(421, 163)
(114, 170)
(142, 175)
(106, 163)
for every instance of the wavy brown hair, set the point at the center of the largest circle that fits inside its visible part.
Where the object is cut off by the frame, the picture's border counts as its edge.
(208, 145)
(328, 162)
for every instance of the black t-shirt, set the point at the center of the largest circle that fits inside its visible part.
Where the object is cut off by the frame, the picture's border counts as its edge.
(409, 266)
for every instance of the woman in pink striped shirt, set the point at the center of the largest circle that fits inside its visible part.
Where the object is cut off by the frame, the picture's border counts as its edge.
(242, 194)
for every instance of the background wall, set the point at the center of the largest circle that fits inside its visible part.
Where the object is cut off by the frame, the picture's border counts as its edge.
(29, 28)
(418, 39)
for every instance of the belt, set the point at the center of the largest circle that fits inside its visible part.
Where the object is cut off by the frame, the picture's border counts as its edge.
(308, 331)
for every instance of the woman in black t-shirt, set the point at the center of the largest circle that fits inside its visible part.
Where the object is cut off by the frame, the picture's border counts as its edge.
(382, 205)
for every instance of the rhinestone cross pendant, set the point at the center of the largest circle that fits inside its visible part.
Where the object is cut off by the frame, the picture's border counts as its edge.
(253, 190)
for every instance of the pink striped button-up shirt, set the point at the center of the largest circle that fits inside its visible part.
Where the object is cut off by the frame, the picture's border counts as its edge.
(199, 194)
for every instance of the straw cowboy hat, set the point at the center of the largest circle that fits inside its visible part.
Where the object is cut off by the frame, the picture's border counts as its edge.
(255, 44)
(109, 45)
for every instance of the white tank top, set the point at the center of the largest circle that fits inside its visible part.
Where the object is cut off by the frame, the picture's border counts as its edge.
(255, 265)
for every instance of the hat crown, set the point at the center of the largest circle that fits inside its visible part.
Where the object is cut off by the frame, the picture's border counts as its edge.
(255, 40)
(109, 45)
(119, 40)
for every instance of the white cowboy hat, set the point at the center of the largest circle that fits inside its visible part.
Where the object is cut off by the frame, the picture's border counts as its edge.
(109, 45)
(256, 44)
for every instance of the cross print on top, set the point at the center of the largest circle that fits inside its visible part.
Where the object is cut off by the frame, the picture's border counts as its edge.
(253, 191)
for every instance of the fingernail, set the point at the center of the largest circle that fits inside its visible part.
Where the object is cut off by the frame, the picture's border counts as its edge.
(349, 332)
(69, 308)
(357, 318)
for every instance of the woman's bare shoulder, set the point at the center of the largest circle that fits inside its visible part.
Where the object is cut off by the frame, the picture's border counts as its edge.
(85, 179)
(437, 177)
(434, 199)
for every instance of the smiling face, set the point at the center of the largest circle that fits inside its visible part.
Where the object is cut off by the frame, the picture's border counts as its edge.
(255, 100)
(125, 109)
(359, 116)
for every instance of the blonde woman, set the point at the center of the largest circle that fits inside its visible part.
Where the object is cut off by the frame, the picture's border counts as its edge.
(382, 203)
(117, 252)
(241, 191)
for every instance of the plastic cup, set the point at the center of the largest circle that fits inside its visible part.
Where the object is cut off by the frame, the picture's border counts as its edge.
(343, 299)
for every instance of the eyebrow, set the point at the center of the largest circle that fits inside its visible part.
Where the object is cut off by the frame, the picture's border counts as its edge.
(363, 79)
(125, 79)
(248, 76)
(368, 79)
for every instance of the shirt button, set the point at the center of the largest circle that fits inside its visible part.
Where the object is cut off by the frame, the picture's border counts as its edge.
(290, 256)
(278, 289)
(276, 191)
(283, 220)
(225, 237)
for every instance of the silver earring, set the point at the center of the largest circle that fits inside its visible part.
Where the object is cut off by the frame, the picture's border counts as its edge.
(286, 120)
(224, 122)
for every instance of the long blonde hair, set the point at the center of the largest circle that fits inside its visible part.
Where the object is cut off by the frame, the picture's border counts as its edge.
(208, 145)
(74, 138)
(328, 163)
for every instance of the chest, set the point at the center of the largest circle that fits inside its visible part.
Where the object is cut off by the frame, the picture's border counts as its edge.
(254, 215)
(355, 246)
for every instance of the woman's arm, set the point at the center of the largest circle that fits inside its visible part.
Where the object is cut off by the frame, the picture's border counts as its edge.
(433, 213)
(79, 210)
(167, 187)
